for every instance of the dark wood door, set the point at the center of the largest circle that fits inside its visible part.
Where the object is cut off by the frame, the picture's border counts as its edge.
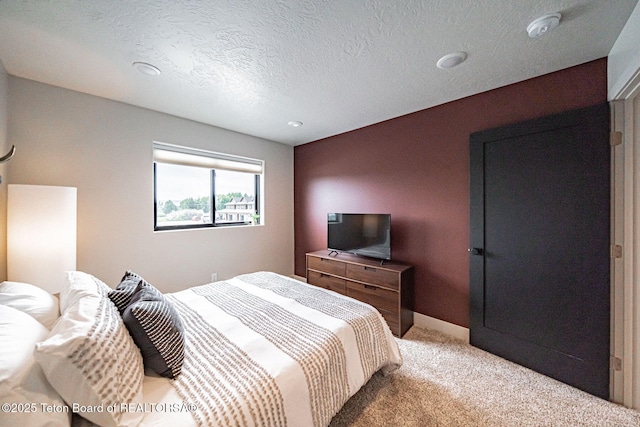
(540, 239)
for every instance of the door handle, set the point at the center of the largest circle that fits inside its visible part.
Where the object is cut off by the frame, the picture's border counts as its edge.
(475, 251)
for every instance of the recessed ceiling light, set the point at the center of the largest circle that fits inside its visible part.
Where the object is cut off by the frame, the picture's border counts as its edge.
(451, 60)
(147, 69)
(544, 24)
(295, 124)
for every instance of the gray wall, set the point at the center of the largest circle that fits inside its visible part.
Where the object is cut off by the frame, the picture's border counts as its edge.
(4, 147)
(104, 148)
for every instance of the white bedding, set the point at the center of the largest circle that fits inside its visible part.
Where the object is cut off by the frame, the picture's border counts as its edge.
(266, 350)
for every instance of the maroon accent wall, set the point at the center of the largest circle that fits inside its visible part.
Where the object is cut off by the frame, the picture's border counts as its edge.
(416, 167)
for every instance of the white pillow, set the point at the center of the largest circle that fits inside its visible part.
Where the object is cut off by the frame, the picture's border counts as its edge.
(78, 285)
(32, 300)
(22, 381)
(19, 334)
(90, 358)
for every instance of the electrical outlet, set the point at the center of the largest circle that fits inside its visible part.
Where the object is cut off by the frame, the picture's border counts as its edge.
(214, 277)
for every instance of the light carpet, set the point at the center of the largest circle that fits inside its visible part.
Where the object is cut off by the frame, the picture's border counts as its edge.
(446, 382)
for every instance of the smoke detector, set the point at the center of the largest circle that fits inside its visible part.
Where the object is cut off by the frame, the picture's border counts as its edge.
(544, 24)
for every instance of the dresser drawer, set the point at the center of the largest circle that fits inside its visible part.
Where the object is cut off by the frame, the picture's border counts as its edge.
(328, 282)
(378, 276)
(380, 298)
(326, 265)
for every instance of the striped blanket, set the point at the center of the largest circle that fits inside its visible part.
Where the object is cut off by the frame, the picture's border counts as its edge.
(265, 350)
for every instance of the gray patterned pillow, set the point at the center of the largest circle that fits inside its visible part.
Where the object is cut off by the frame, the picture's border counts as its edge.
(157, 330)
(122, 294)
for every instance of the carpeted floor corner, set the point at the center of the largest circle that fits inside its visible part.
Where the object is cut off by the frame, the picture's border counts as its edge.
(446, 382)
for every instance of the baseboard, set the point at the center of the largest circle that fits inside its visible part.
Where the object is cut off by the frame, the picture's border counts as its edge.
(455, 331)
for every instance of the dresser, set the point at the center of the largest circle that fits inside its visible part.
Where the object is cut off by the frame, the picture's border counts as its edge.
(387, 286)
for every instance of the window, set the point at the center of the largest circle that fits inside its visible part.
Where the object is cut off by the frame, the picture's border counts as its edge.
(197, 189)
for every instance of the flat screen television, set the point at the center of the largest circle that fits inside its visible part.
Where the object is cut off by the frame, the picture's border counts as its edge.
(361, 234)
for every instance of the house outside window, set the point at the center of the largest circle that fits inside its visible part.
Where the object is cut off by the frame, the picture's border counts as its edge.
(200, 189)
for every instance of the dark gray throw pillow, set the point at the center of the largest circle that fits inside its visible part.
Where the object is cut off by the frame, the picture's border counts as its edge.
(122, 294)
(156, 328)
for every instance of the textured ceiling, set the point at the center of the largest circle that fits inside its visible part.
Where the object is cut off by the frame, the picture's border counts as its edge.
(254, 65)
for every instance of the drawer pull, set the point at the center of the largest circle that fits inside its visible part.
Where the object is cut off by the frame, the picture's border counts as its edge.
(324, 275)
(370, 287)
(369, 269)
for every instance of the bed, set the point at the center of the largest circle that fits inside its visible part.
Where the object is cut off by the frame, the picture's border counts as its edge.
(260, 349)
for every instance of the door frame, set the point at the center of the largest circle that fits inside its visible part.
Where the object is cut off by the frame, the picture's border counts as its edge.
(625, 333)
